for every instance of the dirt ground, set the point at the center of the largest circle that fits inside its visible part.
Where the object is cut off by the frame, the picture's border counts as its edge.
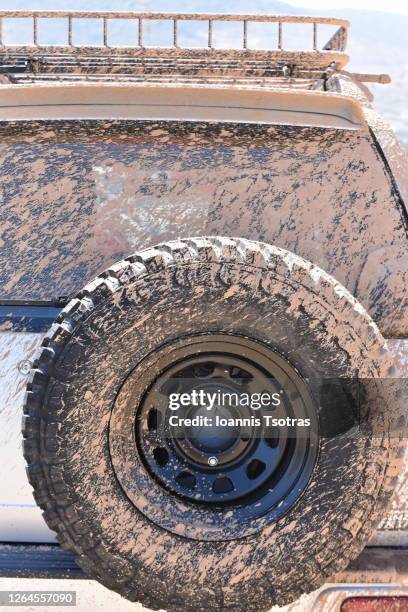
(93, 597)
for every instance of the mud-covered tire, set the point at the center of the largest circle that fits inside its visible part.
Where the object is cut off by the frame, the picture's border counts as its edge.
(179, 288)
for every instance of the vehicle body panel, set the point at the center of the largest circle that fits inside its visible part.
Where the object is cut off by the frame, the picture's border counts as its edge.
(94, 172)
(78, 196)
(389, 265)
(20, 518)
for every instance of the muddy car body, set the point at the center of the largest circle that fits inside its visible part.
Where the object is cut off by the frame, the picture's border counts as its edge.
(268, 181)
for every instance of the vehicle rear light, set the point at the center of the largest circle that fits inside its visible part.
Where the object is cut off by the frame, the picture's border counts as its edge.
(375, 604)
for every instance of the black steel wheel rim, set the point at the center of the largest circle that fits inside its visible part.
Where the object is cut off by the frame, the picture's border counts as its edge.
(254, 469)
(166, 477)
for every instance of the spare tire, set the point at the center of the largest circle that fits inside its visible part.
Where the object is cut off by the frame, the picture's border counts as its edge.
(148, 514)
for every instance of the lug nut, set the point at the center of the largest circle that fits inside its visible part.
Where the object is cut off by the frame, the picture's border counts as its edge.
(24, 367)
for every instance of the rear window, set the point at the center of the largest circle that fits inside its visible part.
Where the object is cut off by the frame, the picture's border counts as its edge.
(77, 196)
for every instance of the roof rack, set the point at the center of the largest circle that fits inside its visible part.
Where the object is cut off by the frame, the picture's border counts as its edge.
(332, 52)
(244, 64)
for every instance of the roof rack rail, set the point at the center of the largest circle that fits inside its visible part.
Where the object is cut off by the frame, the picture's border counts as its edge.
(332, 52)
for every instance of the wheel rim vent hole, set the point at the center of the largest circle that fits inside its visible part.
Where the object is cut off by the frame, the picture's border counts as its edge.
(161, 456)
(255, 469)
(153, 420)
(186, 479)
(222, 484)
(203, 370)
(272, 438)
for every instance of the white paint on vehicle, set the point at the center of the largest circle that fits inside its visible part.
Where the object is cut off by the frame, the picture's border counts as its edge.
(20, 518)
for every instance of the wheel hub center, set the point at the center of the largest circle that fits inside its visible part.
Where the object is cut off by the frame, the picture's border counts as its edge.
(212, 438)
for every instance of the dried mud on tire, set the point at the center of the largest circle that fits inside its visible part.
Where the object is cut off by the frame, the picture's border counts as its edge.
(179, 288)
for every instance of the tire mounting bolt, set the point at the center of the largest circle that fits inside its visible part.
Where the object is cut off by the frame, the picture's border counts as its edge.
(24, 367)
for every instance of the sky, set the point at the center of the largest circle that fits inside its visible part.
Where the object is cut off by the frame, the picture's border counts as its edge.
(389, 6)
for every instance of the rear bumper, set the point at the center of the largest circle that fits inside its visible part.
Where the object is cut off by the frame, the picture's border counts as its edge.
(378, 572)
